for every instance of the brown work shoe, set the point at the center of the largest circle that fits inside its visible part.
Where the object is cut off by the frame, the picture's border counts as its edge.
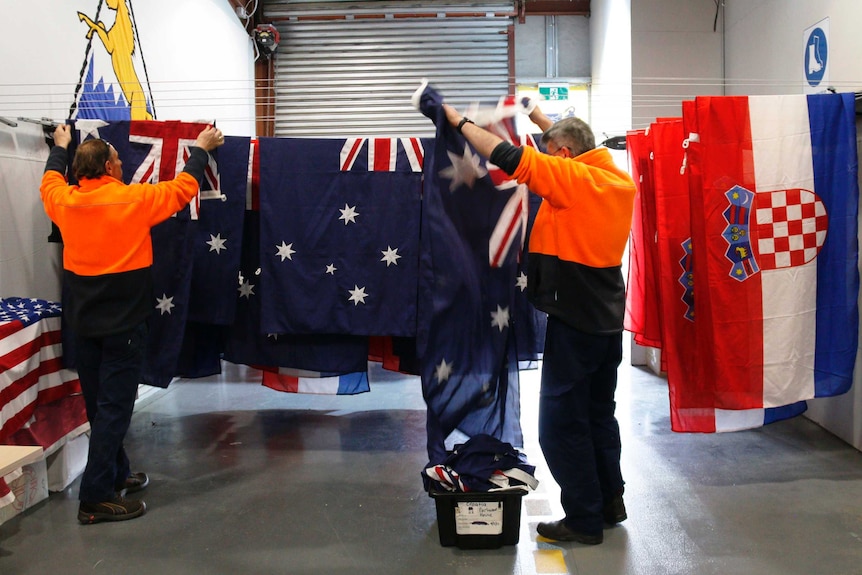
(117, 509)
(559, 531)
(614, 510)
(135, 482)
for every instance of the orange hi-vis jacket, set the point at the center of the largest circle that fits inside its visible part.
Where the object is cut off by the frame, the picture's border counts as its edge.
(579, 237)
(106, 223)
(108, 251)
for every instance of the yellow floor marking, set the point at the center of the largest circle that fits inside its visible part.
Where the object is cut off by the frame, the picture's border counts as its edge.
(549, 561)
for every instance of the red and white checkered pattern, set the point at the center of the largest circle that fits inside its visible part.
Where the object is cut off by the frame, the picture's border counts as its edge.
(791, 227)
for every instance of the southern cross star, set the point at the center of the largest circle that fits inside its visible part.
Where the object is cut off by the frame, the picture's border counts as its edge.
(216, 243)
(348, 214)
(357, 295)
(165, 304)
(465, 169)
(500, 318)
(443, 370)
(285, 251)
(390, 256)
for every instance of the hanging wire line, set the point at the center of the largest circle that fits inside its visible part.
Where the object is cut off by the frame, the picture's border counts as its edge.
(646, 97)
(73, 108)
(143, 60)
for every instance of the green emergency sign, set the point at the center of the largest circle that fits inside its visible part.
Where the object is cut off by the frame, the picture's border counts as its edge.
(554, 92)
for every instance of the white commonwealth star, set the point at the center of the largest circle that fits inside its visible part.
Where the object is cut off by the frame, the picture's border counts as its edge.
(390, 256)
(521, 282)
(464, 169)
(246, 289)
(89, 128)
(357, 295)
(216, 243)
(500, 318)
(348, 214)
(285, 251)
(443, 370)
(330, 269)
(165, 304)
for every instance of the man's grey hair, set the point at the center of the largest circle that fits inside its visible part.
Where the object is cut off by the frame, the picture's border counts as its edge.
(571, 133)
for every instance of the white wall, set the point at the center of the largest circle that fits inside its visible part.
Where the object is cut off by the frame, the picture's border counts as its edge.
(676, 56)
(765, 44)
(199, 62)
(610, 50)
(764, 48)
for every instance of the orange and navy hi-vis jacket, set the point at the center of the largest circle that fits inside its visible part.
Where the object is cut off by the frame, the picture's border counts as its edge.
(108, 252)
(579, 237)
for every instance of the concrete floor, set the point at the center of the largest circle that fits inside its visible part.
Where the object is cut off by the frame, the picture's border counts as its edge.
(246, 480)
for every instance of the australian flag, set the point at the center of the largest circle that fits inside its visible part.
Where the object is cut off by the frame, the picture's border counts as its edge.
(469, 363)
(339, 237)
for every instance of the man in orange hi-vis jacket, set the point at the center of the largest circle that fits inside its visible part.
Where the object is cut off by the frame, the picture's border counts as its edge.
(575, 276)
(107, 258)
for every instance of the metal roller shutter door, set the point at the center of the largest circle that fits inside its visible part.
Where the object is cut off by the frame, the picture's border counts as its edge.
(352, 72)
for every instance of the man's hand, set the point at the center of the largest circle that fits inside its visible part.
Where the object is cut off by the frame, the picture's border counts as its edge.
(210, 139)
(63, 135)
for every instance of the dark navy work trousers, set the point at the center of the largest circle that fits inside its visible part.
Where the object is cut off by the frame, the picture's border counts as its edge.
(110, 370)
(578, 432)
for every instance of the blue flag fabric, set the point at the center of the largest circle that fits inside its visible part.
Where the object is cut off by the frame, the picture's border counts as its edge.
(466, 345)
(339, 238)
(248, 344)
(218, 239)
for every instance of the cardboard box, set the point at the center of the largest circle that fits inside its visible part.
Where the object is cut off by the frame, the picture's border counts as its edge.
(479, 520)
(30, 488)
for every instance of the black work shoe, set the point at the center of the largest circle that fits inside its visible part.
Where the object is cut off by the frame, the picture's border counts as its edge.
(614, 510)
(135, 482)
(558, 531)
(117, 509)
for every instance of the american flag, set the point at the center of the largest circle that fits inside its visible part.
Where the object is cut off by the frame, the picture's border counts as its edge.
(31, 368)
(31, 361)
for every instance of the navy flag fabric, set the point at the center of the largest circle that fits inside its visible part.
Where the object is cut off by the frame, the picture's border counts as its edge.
(218, 238)
(248, 344)
(339, 239)
(466, 345)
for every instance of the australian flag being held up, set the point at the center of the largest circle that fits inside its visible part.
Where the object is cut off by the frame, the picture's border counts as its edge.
(466, 345)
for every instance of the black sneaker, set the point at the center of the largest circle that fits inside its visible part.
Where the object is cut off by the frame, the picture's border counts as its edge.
(117, 509)
(135, 482)
(558, 531)
(614, 510)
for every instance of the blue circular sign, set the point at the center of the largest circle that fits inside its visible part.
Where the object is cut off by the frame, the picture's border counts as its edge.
(816, 53)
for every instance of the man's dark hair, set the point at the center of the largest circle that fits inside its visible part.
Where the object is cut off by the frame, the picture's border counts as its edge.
(90, 159)
(571, 133)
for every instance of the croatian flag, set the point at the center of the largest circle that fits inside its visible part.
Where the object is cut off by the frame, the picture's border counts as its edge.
(774, 204)
(659, 158)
